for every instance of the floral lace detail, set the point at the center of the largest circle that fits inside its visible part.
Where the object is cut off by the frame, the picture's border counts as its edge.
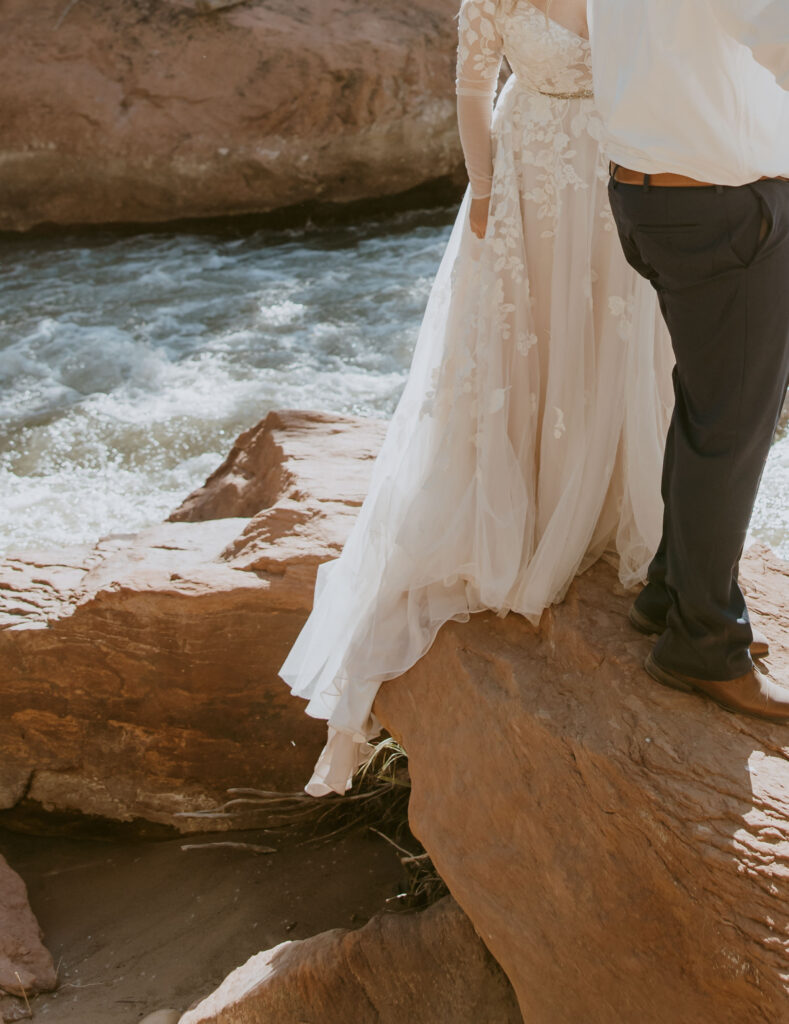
(542, 133)
(479, 47)
(536, 140)
(544, 55)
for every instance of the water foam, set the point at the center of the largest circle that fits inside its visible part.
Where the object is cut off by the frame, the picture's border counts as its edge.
(129, 364)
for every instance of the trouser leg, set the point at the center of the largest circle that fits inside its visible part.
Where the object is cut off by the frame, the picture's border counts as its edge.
(654, 600)
(722, 282)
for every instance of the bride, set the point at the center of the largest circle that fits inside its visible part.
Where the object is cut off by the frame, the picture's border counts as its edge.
(528, 440)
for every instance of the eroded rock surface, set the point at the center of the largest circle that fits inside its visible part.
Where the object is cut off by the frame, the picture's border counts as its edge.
(302, 478)
(148, 111)
(428, 967)
(621, 848)
(25, 965)
(140, 675)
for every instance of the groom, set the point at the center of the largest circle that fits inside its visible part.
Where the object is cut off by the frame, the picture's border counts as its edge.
(695, 103)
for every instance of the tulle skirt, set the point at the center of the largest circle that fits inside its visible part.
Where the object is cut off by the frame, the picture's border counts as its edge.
(528, 439)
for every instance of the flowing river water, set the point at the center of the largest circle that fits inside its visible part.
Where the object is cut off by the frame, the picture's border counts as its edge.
(130, 362)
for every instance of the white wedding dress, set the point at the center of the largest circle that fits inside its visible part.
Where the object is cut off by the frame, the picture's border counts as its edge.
(528, 440)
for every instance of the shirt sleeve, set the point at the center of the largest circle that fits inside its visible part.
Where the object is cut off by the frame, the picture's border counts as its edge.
(763, 26)
(479, 57)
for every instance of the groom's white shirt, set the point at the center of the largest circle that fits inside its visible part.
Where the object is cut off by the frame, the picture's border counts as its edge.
(697, 87)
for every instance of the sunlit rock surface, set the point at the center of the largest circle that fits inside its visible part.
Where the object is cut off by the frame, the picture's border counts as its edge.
(149, 111)
(423, 968)
(139, 676)
(621, 848)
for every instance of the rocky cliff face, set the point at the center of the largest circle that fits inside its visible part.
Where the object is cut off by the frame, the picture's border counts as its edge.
(145, 111)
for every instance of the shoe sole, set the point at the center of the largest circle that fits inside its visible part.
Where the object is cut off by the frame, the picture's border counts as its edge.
(667, 678)
(649, 627)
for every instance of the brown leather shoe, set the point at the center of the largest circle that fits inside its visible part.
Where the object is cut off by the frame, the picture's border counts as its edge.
(760, 645)
(752, 694)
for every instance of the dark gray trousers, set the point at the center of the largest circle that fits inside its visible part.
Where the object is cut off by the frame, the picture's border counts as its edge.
(718, 258)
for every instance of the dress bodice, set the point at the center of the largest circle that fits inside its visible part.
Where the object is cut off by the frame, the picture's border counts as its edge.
(545, 57)
(543, 54)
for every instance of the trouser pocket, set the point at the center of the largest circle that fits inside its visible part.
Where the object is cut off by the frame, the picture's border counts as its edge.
(750, 221)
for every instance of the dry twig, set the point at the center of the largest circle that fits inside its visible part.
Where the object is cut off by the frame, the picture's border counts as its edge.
(378, 799)
(238, 846)
(24, 994)
(64, 12)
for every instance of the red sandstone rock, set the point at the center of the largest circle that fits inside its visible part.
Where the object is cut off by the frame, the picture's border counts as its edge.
(25, 965)
(424, 968)
(139, 677)
(620, 847)
(149, 111)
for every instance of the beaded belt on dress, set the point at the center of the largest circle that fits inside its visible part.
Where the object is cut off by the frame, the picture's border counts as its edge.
(584, 94)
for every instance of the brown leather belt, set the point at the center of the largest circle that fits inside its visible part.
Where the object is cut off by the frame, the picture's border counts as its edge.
(667, 179)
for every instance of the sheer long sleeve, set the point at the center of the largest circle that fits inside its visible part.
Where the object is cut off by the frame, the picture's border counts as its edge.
(762, 25)
(478, 63)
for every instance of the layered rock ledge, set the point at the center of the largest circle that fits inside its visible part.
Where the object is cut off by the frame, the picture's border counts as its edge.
(139, 675)
(149, 111)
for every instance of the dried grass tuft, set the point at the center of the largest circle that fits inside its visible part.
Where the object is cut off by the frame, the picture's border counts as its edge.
(378, 800)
